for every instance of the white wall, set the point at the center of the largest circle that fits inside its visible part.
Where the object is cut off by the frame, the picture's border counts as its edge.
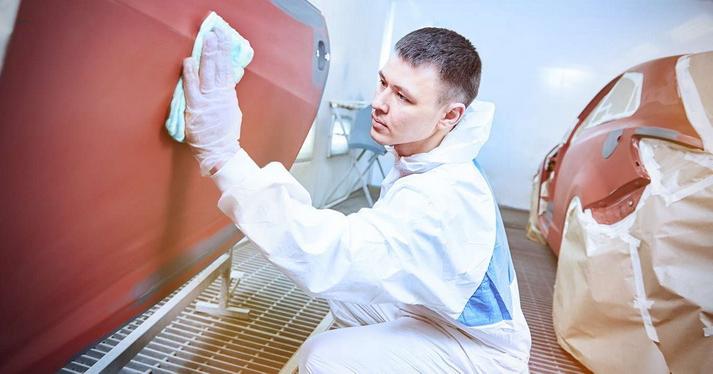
(543, 61)
(355, 34)
(8, 12)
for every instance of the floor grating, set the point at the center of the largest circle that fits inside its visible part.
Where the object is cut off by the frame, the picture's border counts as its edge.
(281, 317)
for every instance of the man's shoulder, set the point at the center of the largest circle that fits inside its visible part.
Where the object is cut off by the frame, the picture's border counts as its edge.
(445, 181)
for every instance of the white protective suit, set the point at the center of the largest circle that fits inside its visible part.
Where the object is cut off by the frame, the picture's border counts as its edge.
(424, 277)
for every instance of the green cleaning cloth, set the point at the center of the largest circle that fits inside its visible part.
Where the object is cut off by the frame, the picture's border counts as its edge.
(241, 55)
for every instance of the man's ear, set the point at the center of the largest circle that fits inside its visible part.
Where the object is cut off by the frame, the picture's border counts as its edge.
(454, 112)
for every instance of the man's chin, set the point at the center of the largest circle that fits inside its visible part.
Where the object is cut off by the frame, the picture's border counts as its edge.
(379, 138)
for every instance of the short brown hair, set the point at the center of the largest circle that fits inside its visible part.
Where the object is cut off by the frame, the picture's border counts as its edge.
(455, 58)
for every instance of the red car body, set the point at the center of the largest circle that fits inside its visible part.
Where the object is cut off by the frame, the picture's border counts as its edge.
(103, 214)
(600, 163)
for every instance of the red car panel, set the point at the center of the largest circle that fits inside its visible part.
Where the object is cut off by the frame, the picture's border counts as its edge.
(103, 213)
(601, 164)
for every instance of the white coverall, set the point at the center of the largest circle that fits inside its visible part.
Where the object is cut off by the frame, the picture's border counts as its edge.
(418, 277)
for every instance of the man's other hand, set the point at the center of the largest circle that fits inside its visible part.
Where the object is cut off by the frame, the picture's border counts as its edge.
(213, 116)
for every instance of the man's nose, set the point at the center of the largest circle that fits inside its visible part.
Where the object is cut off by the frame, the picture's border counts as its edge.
(379, 102)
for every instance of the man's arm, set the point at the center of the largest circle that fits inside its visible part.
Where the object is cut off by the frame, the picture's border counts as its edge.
(395, 252)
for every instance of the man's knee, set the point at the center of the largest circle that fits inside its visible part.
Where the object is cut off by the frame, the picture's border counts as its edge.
(317, 355)
(337, 351)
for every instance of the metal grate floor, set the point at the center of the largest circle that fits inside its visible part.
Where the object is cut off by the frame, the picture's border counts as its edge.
(536, 266)
(281, 318)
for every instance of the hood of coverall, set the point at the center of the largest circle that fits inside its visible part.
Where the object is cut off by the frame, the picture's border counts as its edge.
(462, 144)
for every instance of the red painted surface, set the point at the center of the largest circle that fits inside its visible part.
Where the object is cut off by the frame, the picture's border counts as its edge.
(101, 210)
(612, 186)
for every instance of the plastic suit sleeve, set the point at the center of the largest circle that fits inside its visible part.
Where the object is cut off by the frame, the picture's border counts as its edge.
(391, 253)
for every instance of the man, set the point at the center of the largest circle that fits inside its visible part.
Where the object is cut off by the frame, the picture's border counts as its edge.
(423, 281)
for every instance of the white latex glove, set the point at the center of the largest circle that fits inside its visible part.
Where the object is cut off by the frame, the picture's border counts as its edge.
(213, 116)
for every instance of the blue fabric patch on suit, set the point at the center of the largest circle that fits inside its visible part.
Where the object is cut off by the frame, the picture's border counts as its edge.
(492, 301)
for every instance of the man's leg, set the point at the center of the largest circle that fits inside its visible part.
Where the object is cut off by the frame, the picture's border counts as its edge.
(404, 345)
(350, 315)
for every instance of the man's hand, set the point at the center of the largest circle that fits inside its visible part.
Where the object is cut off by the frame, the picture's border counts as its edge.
(213, 117)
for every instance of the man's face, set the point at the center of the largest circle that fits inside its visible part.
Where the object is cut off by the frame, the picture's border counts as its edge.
(406, 108)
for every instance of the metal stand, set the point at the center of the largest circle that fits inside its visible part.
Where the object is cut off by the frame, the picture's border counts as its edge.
(336, 108)
(122, 353)
(360, 180)
(337, 118)
(222, 309)
(128, 347)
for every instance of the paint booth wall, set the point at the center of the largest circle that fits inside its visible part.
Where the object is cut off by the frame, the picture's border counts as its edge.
(543, 61)
(355, 34)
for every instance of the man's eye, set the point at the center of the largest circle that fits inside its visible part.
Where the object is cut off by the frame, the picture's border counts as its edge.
(402, 97)
(381, 82)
